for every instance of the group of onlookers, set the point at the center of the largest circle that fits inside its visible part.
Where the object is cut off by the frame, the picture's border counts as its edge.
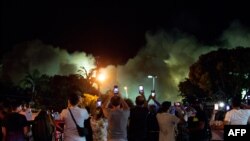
(118, 120)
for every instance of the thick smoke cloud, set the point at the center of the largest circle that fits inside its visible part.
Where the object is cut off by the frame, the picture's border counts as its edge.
(166, 55)
(47, 59)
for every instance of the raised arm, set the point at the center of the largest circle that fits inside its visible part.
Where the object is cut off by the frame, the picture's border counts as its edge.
(124, 104)
(105, 106)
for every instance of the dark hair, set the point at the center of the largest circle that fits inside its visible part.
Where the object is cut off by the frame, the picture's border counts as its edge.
(236, 101)
(115, 101)
(100, 114)
(165, 106)
(74, 97)
(139, 100)
(15, 103)
(42, 115)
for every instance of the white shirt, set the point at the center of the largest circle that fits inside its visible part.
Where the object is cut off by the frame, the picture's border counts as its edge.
(237, 117)
(167, 123)
(70, 131)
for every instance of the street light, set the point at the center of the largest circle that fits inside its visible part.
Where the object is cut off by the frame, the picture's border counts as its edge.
(126, 90)
(153, 77)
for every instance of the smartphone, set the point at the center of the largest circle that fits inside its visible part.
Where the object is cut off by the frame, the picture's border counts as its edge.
(153, 93)
(177, 103)
(116, 90)
(99, 103)
(141, 89)
(216, 106)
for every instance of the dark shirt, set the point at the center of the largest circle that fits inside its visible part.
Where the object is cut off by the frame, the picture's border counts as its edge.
(193, 122)
(14, 123)
(152, 123)
(137, 123)
(152, 127)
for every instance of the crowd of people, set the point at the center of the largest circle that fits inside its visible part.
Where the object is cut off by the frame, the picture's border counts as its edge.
(116, 119)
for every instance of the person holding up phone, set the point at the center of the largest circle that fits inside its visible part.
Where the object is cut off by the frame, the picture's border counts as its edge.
(151, 121)
(138, 114)
(116, 90)
(99, 124)
(116, 110)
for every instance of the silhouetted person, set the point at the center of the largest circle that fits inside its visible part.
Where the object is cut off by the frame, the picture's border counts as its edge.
(15, 126)
(137, 120)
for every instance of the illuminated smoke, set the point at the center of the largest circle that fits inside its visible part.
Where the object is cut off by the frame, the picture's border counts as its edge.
(236, 35)
(167, 55)
(49, 60)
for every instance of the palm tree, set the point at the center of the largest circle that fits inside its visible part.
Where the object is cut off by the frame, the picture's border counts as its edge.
(29, 82)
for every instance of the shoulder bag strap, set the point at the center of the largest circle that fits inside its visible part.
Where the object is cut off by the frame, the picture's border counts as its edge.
(72, 116)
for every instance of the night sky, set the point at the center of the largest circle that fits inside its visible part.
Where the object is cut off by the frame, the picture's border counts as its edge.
(113, 30)
(131, 40)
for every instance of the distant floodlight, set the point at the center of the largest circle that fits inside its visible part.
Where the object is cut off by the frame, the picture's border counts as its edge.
(125, 88)
(150, 76)
(221, 104)
(153, 78)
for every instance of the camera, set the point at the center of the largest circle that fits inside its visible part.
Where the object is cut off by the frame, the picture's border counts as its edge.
(216, 106)
(116, 90)
(99, 103)
(152, 93)
(141, 89)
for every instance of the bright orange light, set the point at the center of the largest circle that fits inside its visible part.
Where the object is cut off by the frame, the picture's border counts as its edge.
(101, 77)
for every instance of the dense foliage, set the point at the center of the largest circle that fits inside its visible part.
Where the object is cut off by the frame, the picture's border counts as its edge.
(218, 75)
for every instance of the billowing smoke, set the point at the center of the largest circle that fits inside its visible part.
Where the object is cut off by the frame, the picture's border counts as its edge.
(169, 56)
(165, 55)
(47, 59)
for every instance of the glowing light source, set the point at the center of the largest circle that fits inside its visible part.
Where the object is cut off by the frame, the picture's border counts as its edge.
(101, 77)
(126, 90)
(153, 77)
(216, 106)
(221, 104)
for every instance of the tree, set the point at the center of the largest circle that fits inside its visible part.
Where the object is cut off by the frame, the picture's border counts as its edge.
(219, 74)
(30, 81)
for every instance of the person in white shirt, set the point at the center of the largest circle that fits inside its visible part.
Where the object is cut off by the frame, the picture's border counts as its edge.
(237, 116)
(167, 123)
(80, 115)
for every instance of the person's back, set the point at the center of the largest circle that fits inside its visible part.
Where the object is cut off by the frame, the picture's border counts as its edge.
(167, 123)
(137, 121)
(152, 124)
(117, 124)
(198, 126)
(79, 114)
(117, 116)
(237, 116)
(15, 125)
(42, 128)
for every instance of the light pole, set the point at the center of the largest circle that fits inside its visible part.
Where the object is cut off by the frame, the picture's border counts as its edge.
(153, 77)
(126, 90)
